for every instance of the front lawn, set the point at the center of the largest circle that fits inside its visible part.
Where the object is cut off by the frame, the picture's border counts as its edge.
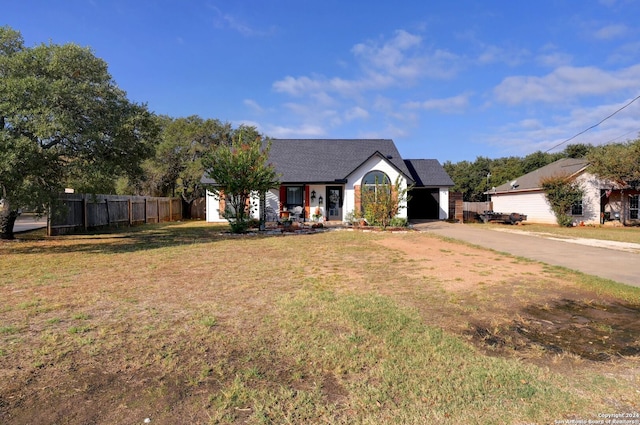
(182, 323)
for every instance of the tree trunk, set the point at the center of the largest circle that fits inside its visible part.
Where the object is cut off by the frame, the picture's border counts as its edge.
(7, 220)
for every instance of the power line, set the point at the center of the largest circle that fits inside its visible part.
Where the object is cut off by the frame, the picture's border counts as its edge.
(593, 126)
(625, 134)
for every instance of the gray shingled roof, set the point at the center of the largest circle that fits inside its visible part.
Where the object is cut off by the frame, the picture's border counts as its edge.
(328, 160)
(333, 160)
(428, 173)
(531, 181)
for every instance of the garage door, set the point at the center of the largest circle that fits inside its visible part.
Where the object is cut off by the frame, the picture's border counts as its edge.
(424, 204)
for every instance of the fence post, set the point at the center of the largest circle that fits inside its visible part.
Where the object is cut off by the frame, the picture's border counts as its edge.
(49, 221)
(130, 212)
(158, 209)
(85, 216)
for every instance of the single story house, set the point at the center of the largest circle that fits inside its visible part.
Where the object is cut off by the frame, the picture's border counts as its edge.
(601, 201)
(326, 176)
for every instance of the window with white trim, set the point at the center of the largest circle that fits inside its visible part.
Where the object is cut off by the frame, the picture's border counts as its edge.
(576, 209)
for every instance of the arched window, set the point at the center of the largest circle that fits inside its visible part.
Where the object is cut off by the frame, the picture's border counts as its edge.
(373, 182)
(375, 177)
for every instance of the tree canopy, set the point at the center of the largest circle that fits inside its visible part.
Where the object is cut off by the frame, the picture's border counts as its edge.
(617, 162)
(240, 169)
(475, 178)
(176, 168)
(63, 120)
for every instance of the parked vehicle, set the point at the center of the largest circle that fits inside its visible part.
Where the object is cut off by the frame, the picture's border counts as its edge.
(492, 216)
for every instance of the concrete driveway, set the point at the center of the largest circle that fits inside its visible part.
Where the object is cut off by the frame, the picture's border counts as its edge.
(616, 261)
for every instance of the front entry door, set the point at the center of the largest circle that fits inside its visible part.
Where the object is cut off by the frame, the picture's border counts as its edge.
(334, 203)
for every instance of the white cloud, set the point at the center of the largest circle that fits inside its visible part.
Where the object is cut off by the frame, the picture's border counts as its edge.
(389, 131)
(248, 123)
(390, 51)
(554, 59)
(511, 56)
(252, 104)
(565, 84)
(383, 104)
(391, 57)
(304, 131)
(610, 32)
(626, 53)
(356, 113)
(550, 56)
(399, 61)
(530, 124)
(301, 109)
(532, 134)
(297, 86)
(455, 104)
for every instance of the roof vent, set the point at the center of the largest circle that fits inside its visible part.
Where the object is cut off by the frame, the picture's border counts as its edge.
(389, 156)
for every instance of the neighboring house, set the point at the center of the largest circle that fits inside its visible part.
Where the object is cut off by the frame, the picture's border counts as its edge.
(601, 201)
(327, 175)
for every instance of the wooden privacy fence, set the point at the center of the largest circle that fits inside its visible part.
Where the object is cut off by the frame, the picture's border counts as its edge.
(197, 209)
(472, 208)
(82, 211)
(456, 207)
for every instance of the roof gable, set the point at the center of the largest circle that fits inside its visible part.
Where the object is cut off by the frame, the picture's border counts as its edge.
(329, 160)
(531, 181)
(388, 161)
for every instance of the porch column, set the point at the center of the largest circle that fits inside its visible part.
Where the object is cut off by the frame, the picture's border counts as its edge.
(307, 203)
(357, 201)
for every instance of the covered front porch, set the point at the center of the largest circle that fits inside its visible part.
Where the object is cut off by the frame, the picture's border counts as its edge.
(308, 202)
(618, 205)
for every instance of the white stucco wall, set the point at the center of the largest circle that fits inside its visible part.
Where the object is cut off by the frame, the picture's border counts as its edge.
(321, 191)
(444, 203)
(213, 208)
(374, 163)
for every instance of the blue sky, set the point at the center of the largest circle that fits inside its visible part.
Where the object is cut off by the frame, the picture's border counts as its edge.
(450, 80)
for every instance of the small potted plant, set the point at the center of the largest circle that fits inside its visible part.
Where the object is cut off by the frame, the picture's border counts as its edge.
(317, 215)
(287, 223)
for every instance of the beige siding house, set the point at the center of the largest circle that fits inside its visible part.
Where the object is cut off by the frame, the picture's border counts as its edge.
(601, 201)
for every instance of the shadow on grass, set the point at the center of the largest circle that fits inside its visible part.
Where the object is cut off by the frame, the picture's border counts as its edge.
(132, 239)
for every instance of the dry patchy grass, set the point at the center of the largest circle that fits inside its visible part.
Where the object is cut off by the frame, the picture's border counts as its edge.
(182, 323)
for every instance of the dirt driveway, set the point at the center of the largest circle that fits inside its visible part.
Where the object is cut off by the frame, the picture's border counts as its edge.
(597, 258)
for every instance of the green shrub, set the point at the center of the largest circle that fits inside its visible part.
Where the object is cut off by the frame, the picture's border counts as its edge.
(561, 193)
(398, 222)
(382, 203)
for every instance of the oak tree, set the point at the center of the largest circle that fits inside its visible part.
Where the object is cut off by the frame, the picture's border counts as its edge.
(63, 120)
